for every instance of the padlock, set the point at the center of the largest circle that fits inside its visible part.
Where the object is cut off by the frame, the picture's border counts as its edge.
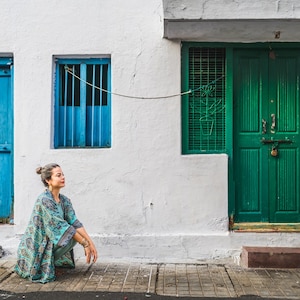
(274, 152)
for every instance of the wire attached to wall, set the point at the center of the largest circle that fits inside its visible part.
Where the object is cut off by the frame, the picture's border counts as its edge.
(137, 97)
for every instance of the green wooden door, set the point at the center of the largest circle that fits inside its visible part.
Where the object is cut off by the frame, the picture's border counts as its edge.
(266, 122)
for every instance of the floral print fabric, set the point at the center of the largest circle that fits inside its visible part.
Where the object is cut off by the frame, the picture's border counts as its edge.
(49, 228)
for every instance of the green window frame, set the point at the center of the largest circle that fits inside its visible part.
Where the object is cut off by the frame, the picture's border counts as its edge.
(204, 109)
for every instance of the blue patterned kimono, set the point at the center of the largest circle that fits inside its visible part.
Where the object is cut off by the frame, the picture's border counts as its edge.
(51, 227)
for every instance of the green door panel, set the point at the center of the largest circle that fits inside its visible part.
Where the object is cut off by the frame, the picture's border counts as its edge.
(250, 75)
(284, 181)
(266, 116)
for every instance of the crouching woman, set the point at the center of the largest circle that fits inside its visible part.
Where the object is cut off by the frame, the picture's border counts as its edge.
(52, 232)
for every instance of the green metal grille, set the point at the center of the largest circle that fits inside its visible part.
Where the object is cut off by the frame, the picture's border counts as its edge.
(206, 105)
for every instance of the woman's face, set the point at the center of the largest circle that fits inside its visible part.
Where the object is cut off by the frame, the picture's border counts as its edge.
(57, 180)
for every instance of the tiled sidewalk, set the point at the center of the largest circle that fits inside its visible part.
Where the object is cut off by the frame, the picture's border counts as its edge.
(194, 280)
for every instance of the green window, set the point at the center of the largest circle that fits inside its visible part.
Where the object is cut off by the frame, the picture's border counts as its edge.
(203, 110)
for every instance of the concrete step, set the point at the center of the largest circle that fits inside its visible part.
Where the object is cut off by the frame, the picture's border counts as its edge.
(270, 257)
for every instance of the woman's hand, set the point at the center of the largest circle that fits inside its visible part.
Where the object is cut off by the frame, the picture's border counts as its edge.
(91, 253)
(82, 237)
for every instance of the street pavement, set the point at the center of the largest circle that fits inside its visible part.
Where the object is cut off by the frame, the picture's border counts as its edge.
(156, 281)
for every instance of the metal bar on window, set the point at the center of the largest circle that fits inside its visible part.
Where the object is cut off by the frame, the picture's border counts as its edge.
(100, 104)
(83, 92)
(73, 107)
(93, 107)
(215, 101)
(65, 108)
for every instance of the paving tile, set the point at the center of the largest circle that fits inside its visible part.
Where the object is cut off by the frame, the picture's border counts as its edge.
(196, 280)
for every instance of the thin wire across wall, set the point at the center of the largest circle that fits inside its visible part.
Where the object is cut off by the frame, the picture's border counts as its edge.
(190, 91)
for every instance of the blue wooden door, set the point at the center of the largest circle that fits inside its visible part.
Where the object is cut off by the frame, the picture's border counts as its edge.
(6, 138)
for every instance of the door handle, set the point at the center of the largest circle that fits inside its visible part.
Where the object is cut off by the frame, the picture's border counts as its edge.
(4, 148)
(273, 126)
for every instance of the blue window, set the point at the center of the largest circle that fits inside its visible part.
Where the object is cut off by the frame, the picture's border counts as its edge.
(82, 114)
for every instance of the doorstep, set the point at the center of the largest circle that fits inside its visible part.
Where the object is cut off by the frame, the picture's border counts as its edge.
(265, 227)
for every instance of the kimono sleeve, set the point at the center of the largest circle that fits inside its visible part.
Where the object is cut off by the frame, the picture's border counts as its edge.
(69, 212)
(58, 230)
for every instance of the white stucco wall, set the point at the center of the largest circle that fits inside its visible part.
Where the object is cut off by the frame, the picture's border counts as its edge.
(231, 9)
(140, 199)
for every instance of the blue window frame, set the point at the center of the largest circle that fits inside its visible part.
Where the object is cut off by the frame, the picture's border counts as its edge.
(82, 113)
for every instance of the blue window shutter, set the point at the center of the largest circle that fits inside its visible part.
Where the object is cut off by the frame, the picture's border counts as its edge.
(82, 123)
(106, 129)
(56, 108)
